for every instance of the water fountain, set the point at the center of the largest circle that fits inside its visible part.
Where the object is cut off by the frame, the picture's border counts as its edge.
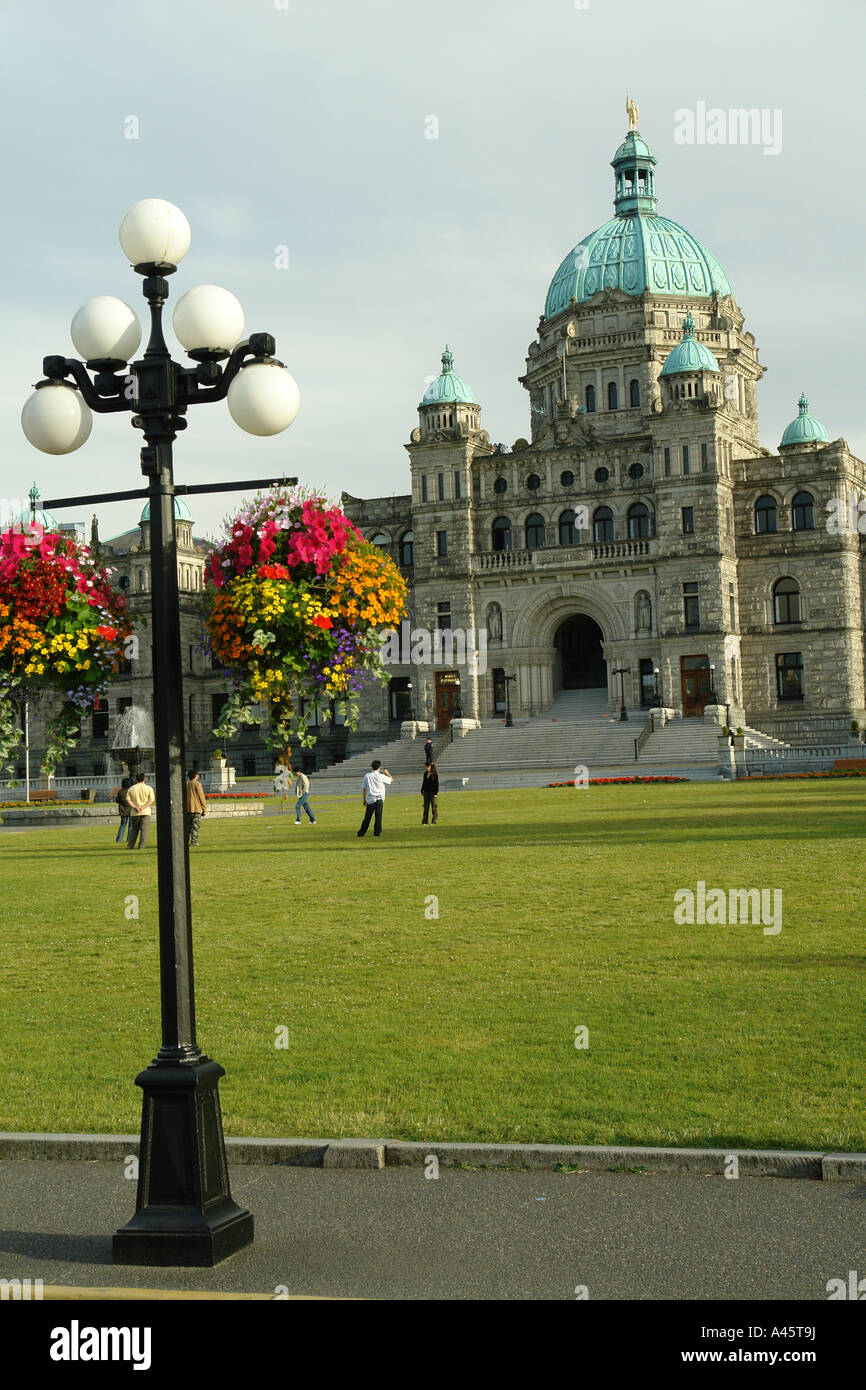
(133, 738)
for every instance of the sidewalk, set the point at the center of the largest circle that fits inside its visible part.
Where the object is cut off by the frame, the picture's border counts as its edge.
(468, 1234)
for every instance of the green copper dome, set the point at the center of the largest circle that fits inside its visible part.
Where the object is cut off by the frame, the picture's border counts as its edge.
(805, 429)
(46, 520)
(448, 386)
(689, 355)
(637, 251)
(181, 511)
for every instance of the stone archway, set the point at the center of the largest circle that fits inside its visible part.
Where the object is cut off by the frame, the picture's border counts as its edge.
(580, 659)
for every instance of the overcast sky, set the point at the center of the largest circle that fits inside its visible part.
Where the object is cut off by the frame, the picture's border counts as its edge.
(305, 125)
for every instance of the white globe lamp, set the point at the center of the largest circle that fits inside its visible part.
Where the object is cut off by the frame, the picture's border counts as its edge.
(263, 398)
(154, 232)
(56, 419)
(208, 321)
(106, 329)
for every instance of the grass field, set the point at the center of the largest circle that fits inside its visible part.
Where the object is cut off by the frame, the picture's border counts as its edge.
(555, 911)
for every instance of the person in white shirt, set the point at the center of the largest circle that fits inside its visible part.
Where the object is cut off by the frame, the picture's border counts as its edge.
(302, 787)
(373, 797)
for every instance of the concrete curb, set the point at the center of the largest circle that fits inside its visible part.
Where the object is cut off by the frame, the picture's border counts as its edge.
(388, 1153)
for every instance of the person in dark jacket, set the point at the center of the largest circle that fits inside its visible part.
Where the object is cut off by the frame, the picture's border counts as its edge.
(428, 751)
(430, 793)
(124, 808)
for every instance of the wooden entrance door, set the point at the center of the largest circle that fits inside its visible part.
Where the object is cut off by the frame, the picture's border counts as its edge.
(696, 684)
(447, 689)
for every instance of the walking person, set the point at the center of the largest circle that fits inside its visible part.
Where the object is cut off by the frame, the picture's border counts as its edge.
(141, 798)
(373, 797)
(428, 751)
(430, 793)
(124, 808)
(302, 787)
(196, 807)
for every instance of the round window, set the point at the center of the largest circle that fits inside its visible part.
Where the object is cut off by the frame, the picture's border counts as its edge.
(636, 470)
(602, 475)
(533, 482)
(567, 478)
(500, 485)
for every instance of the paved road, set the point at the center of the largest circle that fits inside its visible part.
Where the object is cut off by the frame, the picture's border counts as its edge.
(394, 1234)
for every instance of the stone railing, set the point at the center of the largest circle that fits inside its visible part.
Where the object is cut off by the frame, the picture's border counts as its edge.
(607, 552)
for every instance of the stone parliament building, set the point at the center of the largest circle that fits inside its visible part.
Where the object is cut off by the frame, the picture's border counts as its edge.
(640, 529)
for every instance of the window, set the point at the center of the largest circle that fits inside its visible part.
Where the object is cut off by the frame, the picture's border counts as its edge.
(191, 665)
(765, 516)
(407, 549)
(99, 721)
(533, 482)
(381, 540)
(457, 491)
(686, 464)
(636, 471)
(501, 533)
(500, 486)
(786, 601)
(634, 393)
(667, 463)
(732, 604)
(691, 606)
(789, 675)
(440, 486)
(216, 707)
(705, 458)
(566, 478)
(423, 487)
(123, 582)
(602, 525)
(190, 718)
(688, 521)
(638, 522)
(443, 616)
(803, 512)
(612, 395)
(534, 530)
(568, 531)
(601, 475)
(590, 398)
(441, 544)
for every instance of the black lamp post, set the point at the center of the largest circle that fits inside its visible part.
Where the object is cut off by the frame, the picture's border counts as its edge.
(657, 699)
(458, 708)
(509, 722)
(184, 1211)
(622, 672)
(411, 710)
(712, 698)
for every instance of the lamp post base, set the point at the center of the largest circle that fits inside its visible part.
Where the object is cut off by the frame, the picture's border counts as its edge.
(184, 1215)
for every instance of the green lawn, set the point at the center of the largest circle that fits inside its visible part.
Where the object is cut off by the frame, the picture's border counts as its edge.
(555, 910)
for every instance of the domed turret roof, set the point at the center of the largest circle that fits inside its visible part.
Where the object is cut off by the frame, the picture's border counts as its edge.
(448, 386)
(689, 355)
(637, 251)
(47, 520)
(181, 511)
(805, 429)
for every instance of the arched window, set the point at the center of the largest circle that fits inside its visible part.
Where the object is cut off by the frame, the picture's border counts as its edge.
(501, 531)
(568, 531)
(407, 549)
(638, 522)
(765, 516)
(590, 398)
(612, 395)
(786, 601)
(534, 530)
(602, 525)
(634, 392)
(803, 512)
(381, 539)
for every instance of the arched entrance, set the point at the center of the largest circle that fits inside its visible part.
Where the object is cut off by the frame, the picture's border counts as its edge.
(579, 656)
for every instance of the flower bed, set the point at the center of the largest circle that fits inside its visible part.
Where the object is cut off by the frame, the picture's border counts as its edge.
(801, 776)
(297, 599)
(616, 781)
(237, 796)
(62, 628)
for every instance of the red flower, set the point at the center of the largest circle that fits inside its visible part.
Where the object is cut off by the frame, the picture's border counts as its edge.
(321, 620)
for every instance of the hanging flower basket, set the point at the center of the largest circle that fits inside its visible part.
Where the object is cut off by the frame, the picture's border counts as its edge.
(297, 603)
(62, 629)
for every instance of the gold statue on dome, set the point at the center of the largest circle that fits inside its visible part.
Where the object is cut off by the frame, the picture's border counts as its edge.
(631, 111)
